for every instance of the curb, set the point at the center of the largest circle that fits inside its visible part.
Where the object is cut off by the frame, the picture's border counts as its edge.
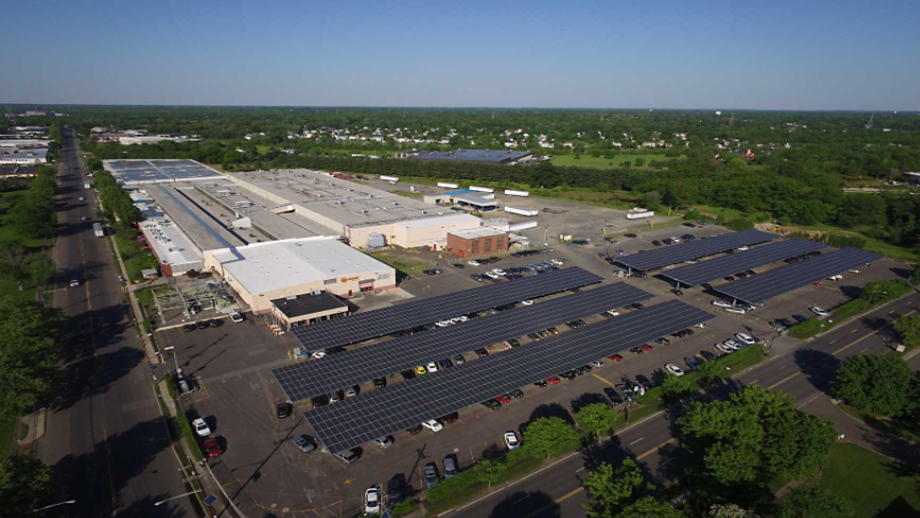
(36, 422)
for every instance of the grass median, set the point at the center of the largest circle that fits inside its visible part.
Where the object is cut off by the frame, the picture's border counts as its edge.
(889, 290)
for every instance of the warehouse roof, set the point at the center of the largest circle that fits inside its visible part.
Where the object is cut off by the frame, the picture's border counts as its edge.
(476, 233)
(264, 267)
(497, 156)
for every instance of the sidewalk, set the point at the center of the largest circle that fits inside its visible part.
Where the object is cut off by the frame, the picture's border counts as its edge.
(152, 357)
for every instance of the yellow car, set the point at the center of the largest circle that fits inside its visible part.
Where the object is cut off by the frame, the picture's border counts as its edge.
(420, 370)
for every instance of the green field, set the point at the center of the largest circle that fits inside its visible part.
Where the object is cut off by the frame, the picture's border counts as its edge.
(404, 265)
(877, 486)
(604, 163)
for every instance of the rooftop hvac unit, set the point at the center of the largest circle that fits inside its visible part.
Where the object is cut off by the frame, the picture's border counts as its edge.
(291, 297)
(316, 292)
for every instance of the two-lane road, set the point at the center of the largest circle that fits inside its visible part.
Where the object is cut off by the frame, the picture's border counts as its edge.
(105, 437)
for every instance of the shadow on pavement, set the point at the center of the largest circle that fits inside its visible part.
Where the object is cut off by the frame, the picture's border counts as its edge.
(93, 375)
(819, 367)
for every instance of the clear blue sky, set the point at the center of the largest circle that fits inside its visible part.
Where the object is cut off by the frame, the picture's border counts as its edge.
(811, 54)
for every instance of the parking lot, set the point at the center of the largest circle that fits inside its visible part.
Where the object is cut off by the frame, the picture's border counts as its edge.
(237, 393)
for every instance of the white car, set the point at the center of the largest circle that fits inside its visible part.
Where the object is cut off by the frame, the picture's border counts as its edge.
(597, 365)
(818, 311)
(557, 262)
(74, 283)
(742, 249)
(674, 369)
(473, 263)
(201, 427)
(722, 303)
(724, 348)
(613, 313)
(700, 326)
(372, 500)
(733, 344)
(527, 302)
(737, 311)
(835, 277)
(432, 367)
(318, 354)
(675, 240)
(492, 275)
(854, 270)
(745, 338)
(235, 317)
(433, 425)
(499, 271)
(383, 442)
(511, 441)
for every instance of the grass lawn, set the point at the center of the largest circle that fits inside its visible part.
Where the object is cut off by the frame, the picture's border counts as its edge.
(876, 486)
(903, 429)
(408, 194)
(604, 163)
(404, 265)
(726, 213)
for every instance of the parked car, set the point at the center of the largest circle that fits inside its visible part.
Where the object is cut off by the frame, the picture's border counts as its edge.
(553, 380)
(656, 243)
(722, 303)
(724, 348)
(674, 369)
(450, 466)
(212, 448)
(663, 341)
(449, 418)
(614, 396)
(433, 425)
(284, 409)
(503, 398)
(818, 311)
(459, 266)
(736, 310)
(372, 500)
(415, 429)
(692, 362)
(236, 317)
(431, 475)
(745, 338)
(511, 441)
(305, 443)
(708, 356)
(491, 404)
(201, 427)
(396, 487)
(432, 367)
(380, 382)
(516, 394)
(384, 442)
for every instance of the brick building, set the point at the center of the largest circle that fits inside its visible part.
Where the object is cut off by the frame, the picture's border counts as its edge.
(477, 241)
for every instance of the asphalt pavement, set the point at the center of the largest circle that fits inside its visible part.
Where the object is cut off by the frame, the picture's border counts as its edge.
(803, 372)
(106, 440)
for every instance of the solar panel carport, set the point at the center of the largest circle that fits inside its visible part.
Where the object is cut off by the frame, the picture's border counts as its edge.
(651, 259)
(706, 271)
(355, 421)
(341, 370)
(364, 326)
(767, 285)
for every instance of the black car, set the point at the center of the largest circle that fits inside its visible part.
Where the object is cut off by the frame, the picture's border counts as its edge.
(514, 343)
(516, 394)
(638, 305)
(284, 409)
(569, 375)
(692, 362)
(189, 327)
(449, 418)
(214, 322)
(614, 396)
(691, 225)
(706, 286)
(533, 336)
(656, 242)
(478, 278)
(729, 278)
(636, 350)
(662, 341)
(688, 237)
(459, 266)
(446, 364)
(380, 382)
(408, 375)
(644, 381)
(433, 271)
(482, 352)
(319, 401)
(396, 487)
(459, 359)
(202, 324)
(415, 429)
(541, 383)
(491, 404)
(668, 241)
(708, 356)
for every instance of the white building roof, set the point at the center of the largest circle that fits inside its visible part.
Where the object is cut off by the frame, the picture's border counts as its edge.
(168, 242)
(450, 219)
(475, 233)
(274, 265)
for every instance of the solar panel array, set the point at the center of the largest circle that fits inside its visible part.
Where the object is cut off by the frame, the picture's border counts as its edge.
(363, 326)
(706, 271)
(385, 411)
(651, 259)
(341, 370)
(159, 170)
(761, 287)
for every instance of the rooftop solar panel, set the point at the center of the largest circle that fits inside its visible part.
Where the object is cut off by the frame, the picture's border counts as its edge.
(341, 370)
(706, 271)
(355, 421)
(767, 285)
(363, 326)
(651, 259)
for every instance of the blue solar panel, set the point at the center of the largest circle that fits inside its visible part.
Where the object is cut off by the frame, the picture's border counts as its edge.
(651, 259)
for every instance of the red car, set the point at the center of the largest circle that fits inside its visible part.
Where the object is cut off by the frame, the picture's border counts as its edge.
(616, 358)
(818, 283)
(646, 347)
(211, 446)
(630, 235)
(554, 380)
(504, 398)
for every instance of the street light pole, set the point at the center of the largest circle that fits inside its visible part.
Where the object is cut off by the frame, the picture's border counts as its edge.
(177, 496)
(65, 502)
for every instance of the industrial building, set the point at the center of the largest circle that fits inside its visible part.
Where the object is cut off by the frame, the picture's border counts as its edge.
(478, 241)
(491, 156)
(475, 200)
(264, 272)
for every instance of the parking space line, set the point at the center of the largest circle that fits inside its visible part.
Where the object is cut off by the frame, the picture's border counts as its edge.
(472, 457)
(637, 440)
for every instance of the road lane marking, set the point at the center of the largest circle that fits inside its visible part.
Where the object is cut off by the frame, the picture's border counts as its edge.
(525, 497)
(864, 349)
(834, 341)
(784, 380)
(604, 380)
(580, 469)
(656, 448)
(853, 331)
(637, 440)
(566, 496)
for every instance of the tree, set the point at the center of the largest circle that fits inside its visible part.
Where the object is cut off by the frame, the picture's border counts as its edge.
(14, 257)
(875, 383)
(488, 471)
(547, 436)
(711, 372)
(611, 489)
(649, 507)
(729, 511)
(596, 418)
(29, 334)
(676, 387)
(908, 328)
(810, 502)
(25, 485)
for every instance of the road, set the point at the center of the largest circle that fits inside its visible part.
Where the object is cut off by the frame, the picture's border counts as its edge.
(105, 438)
(802, 372)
